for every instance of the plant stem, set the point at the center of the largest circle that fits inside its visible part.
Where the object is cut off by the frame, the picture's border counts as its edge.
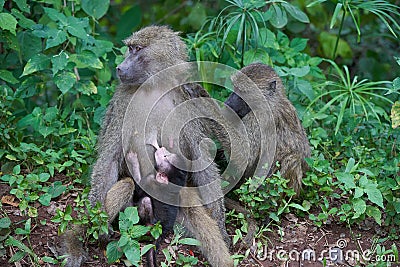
(243, 44)
(339, 33)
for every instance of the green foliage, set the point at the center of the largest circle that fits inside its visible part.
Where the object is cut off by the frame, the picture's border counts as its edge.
(353, 95)
(131, 233)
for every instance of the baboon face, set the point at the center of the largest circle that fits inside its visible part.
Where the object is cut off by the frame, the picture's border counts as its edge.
(150, 50)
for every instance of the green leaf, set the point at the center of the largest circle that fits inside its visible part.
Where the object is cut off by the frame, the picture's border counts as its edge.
(56, 37)
(375, 213)
(46, 130)
(44, 177)
(22, 5)
(55, 15)
(113, 252)
(299, 207)
(328, 42)
(19, 255)
(278, 16)
(59, 62)
(76, 27)
(347, 179)
(95, 8)
(23, 21)
(359, 207)
(146, 248)
(298, 44)
(86, 59)
(8, 22)
(305, 88)
(17, 169)
(296, 13)
(5, 223)
(358, 192)
(45, 199)
(36, 63)
(374, 195)
(7, 76)
(133, 254)
(139, 231)
(65, 81)
(56, 189)
(335, 14)
(189, 241)
(87, 87)
(350, 165)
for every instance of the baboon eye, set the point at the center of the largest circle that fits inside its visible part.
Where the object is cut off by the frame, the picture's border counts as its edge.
(134, 48)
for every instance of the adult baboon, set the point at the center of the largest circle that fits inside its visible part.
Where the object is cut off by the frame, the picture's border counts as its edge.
(144, 99)
(292, 145)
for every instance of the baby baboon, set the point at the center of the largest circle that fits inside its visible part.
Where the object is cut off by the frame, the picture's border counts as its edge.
(292, 145)
(151, 50)
(153, 210)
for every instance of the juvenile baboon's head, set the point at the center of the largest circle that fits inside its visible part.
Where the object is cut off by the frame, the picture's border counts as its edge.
(150, 50)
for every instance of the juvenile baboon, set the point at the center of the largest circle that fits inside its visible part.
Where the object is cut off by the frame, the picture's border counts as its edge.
(152, 210)
(151, 50)
(292, 145)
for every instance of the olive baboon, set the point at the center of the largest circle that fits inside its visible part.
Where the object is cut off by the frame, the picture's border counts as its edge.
(292, 145)
(151, 50)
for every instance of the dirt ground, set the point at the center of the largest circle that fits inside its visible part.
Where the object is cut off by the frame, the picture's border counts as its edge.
(297, 242)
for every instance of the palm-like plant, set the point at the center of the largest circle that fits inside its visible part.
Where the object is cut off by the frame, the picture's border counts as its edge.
(384, 10)
(351, 93)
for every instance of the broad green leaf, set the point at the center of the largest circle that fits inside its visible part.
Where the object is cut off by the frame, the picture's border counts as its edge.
(22, 5)
(56, 189)
(359, 207)
(95, 8)
(278, 16)
(76, 27)
(56, 37)
(46, 130)
(17, 169)
(113, 252)
(86, 59)
(5, 222)
(129, 20)
(86, 87)
(139, 231)
(19, 255)
(146, 248)
(45, 199)
(23, 21)
(358, 192)
(36, 63)
(55, 15)
(8, 22)
(305, 88)
(7, 76)
(65, 81)
(374, 194)
(347, 179)
(133, 254)
(328, 42)
(51, 114)
(44, 177)
(375, 213)
(59, 62)
(189, 241)
(296, 13)
(298, 44)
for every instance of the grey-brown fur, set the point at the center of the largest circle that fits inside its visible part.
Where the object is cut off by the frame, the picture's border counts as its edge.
(151, 50)
(292, 145)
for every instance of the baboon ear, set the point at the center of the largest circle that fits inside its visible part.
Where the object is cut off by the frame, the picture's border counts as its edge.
(272, 86)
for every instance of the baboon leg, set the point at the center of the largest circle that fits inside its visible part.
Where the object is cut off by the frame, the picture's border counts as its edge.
(213, 190)
(291, 169)
(206, 230)
(118, 196)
